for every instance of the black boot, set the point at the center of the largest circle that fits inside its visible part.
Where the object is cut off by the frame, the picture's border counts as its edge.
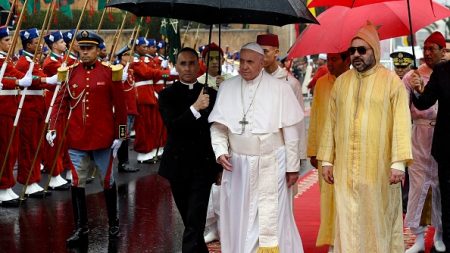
(81, 231)
(111, 207)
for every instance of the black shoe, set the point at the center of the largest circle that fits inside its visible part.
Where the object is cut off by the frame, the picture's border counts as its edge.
(123, 167)
(89, 180)
(39, 194)
(78, 236)
(114, 229)
(10, 203)
(63, 187)
(148, 161)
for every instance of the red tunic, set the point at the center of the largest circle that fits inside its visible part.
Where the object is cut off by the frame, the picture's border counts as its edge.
(100, 112)
(8, 109)
(30, 124)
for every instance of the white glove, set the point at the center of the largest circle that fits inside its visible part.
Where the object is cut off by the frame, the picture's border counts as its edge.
(115, 146)
(125, 72)
(50, 137)
(173, 72)
(53, 80)
(124, 76)
(28, 78)
(164, 64)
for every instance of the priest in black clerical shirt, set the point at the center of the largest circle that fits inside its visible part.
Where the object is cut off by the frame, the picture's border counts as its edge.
(188, 161)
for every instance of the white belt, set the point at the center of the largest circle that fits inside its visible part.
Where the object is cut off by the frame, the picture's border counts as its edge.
(141, 83)
(9, 92)
(425, 122)
(160, 82)
(33, 92)
(252, 145)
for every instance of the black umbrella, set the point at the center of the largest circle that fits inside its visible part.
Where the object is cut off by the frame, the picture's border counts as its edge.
(269, 12)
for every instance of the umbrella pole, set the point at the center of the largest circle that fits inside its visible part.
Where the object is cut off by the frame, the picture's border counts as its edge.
(207, 55)
(411, 35)
(220, 46)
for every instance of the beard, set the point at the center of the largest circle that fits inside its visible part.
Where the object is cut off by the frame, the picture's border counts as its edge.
(362, 65)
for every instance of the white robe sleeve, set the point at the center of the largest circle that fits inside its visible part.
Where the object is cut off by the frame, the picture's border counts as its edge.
(219, 139)
(291, 142)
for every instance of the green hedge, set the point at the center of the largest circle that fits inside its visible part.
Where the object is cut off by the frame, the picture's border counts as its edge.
(112, 20)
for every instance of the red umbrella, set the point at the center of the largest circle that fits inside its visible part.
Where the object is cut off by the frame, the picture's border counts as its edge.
(348, 3)
(339, 24)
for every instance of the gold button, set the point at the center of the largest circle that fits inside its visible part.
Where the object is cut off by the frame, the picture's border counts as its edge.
(87, 93)
(87, 78)
(89, 72)
(87, 108)
(87, 115)
(87, 86)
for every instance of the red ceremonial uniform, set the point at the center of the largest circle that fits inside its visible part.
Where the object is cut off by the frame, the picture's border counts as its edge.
(9, 102)
(130, 94)
(159, 83)
(145, 140)
(50, 68)
(31, 123)
(98, 108)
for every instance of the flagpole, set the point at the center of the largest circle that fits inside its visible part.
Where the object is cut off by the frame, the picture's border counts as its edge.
(11, 12)
(103, 16)
(116, 38)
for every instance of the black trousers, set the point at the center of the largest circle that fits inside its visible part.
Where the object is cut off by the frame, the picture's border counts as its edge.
(444, 186)
(191, 198)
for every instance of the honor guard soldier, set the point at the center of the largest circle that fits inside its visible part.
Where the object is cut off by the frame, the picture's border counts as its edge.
(32, 118)
(97, 126)
(402, 62)
(73, 54)
(147, 137)
(10, 88)
(55, 41)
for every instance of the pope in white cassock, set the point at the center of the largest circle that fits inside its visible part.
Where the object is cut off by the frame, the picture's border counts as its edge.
(254, 136)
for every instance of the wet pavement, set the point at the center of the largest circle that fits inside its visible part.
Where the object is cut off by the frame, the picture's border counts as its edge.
(149, 221)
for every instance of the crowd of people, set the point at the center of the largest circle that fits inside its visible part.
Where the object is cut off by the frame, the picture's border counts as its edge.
(232, 149)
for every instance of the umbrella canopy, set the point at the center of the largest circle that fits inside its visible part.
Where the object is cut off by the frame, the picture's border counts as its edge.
(347, 3)
(339, 24)
(270, 12)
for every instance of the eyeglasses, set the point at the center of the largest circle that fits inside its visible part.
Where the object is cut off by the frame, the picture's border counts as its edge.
(361, 50)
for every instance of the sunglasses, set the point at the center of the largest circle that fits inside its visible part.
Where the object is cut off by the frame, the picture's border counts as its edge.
(361, 50)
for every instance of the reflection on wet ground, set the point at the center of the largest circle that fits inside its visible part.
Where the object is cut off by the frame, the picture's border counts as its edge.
(149, 221)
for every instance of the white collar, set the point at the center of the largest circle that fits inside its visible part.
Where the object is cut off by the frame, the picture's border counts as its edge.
(191, 85)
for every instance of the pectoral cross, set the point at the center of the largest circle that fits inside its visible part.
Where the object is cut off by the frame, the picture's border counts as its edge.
(243, 122)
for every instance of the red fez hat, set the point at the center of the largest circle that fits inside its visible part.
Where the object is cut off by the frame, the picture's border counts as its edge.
(436, 38)
(211, 47)
(268, 40)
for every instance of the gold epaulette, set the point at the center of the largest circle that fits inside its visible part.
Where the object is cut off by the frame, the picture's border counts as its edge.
(106, 63)
(117, 71)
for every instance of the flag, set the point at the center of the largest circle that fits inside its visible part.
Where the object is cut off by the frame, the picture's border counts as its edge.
(170, 30)
(33, 6)
(101, 4)
(64, 7)
(5, 4)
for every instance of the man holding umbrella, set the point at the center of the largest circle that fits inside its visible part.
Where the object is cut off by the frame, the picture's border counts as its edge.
(425, 98)
(364, 148)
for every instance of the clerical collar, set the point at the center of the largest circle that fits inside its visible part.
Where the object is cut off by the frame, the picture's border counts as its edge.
(191, 85)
